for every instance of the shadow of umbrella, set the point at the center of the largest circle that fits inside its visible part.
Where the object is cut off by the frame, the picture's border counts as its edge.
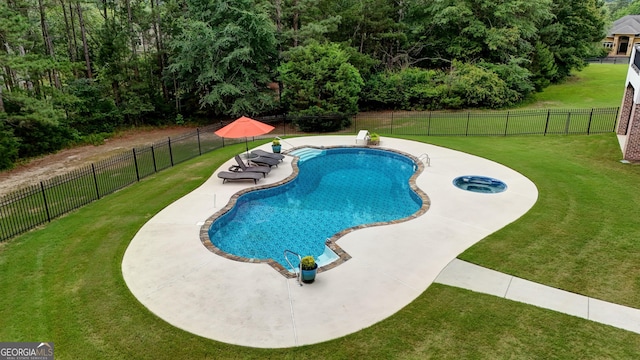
(244, 127)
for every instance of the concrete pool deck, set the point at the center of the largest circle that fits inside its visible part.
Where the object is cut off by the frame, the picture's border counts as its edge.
(170, 272)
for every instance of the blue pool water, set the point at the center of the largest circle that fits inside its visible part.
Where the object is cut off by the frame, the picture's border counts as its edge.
(335, 189)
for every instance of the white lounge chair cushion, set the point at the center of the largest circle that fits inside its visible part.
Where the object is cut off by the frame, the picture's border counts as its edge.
(363, 136)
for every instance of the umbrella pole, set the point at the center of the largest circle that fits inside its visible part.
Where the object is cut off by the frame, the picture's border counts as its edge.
(246, 143)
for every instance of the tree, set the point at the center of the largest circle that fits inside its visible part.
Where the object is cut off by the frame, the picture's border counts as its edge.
(543, 67)
(225, 53)
(319, 80)
(573, 34)
(48, 43)
(470, 30)
(620, 8)
(372, 27)
(85, 44)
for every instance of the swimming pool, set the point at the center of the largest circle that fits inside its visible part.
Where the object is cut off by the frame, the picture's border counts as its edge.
(335, 189)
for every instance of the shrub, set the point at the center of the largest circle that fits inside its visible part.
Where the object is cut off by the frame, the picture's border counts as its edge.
(95, 139)
(407, 89)
(319, 80)
(9, 146)
(468, 85)
(40, 126)
(90, 108)
(321, 123)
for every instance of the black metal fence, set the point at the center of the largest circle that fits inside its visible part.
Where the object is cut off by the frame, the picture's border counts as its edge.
(490, 123)
(622, 60)
(37, 204)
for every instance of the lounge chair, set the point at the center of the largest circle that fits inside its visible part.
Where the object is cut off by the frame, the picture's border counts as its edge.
(264, 161)
(241, 175)
(363, 137)
(241, 167)
(263, 153)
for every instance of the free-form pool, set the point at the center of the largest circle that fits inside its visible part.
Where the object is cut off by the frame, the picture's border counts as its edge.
(335, 189)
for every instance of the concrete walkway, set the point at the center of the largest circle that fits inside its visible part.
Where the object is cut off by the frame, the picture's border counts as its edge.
(473, 277)
(169, 270)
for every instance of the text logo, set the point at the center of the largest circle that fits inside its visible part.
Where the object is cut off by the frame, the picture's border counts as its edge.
(26, 351)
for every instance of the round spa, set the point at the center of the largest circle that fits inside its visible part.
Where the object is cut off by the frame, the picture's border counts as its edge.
(480, 184)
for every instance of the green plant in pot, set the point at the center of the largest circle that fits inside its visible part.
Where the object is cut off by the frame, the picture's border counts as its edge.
(374, 139)
(275, 146)
(309, 269)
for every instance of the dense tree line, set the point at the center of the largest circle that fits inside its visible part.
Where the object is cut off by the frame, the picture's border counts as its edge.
(74, 71)
(619, 8)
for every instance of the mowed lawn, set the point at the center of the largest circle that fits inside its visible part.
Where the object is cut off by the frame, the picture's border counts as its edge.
(63, 282)
(596, 86)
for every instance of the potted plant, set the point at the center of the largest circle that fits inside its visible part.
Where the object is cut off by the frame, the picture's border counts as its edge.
(309, 268)
(275, 146)
(374, 139)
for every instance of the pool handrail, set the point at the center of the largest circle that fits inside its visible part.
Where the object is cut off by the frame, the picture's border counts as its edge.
(424, 157)
(283, 141)
(299, 274)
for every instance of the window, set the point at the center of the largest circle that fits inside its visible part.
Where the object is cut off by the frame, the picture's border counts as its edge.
(636, 59)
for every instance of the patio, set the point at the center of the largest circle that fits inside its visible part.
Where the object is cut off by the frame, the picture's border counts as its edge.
(169, 270)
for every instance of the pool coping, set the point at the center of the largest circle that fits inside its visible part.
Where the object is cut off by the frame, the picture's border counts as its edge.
(331, 242)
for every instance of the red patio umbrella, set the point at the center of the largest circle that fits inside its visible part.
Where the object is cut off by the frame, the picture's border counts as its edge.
(244, 127)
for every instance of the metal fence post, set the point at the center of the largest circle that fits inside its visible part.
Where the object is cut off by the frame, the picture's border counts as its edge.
(199, 146)
(506, 124)
(429, 124)
(589, 125)
(46, 205)
(355, 122)
(135, 162)
(153, 158)
(392, 122)
(95, 180)
(466, 132)
(170, 152)
(566, 125)
(546, 126)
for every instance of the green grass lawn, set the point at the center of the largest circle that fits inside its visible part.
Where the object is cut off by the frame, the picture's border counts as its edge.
(596, 86)
(63, 282)
(581, 235)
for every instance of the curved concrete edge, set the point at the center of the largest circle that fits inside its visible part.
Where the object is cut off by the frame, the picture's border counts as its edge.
(170, 272)
(472, 277)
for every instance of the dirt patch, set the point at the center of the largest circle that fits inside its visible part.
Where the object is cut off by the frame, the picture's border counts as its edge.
(64, 161)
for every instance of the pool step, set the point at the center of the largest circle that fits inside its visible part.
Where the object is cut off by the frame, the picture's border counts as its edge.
(306, 153)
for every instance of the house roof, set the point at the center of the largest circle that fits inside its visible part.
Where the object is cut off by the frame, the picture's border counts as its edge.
(626, 25)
